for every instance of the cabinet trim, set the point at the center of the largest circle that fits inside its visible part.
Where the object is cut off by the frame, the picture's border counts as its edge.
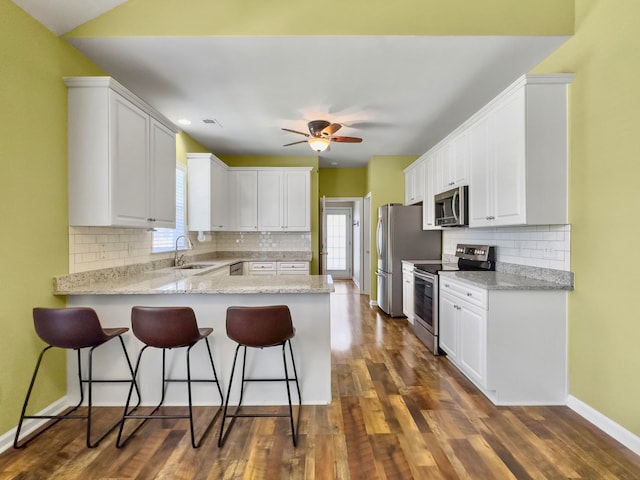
(109, 82)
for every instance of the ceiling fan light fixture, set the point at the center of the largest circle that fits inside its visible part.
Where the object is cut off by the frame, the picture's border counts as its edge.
(319, 144)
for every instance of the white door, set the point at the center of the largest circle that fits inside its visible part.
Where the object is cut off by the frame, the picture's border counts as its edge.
(366, 245)
(339, 242)
(323, 235)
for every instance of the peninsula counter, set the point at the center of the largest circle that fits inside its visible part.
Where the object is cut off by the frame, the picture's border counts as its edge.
(308, 297)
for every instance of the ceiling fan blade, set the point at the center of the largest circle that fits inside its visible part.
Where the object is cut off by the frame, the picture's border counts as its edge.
(331, 129)
(346, 139)
(295, 143)
(295, 131)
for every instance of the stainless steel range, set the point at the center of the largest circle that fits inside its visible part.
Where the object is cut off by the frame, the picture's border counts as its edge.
(425, 325)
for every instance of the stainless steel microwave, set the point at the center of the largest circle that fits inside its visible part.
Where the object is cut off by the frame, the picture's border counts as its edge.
(452, 207)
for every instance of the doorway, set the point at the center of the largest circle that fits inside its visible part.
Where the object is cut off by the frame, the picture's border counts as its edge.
(339, 246)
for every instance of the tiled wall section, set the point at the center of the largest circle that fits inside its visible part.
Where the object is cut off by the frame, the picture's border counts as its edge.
(93, 248)
(263, 241)
(544, 246)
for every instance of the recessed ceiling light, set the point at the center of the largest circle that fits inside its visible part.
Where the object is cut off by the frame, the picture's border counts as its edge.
(184, 121)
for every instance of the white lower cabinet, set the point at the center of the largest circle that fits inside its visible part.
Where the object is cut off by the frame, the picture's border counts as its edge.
(407, 291)
(277, 268)
(512, 344)
(262, 268)
(293, 268)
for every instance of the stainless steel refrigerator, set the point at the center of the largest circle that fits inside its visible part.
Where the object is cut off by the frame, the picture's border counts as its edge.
(399, 236)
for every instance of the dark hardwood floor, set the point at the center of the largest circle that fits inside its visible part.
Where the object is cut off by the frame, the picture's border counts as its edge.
(398, 413)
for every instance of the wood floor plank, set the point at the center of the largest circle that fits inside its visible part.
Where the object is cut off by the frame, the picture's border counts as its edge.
(398, 412)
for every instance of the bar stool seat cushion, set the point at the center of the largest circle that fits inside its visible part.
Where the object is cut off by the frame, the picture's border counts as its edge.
(260, 327)
(72, 327)
(176, 327)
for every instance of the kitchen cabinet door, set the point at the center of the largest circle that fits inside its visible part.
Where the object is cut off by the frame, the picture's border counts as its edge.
(163, 174)
(131, 187)
(472, 336)
(408, 292)
(448, 325)
(481, 175)
(245, 195)
(271, 200)
(428, 205)
(208, 203)
(414, 183)
(220, 208)
(507, 130)
(297, 200)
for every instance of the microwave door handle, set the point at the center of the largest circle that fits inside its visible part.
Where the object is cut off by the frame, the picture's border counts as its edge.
(453, 205)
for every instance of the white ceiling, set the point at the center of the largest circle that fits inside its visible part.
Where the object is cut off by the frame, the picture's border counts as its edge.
(401, 94)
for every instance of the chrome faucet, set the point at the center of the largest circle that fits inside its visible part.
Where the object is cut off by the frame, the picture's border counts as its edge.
(180, 261)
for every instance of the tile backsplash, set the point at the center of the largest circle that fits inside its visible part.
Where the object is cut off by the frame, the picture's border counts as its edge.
(544, 246)
(94, 248)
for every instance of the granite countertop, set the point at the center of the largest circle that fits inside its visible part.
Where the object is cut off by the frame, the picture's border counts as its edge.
(504, 281)
(141, 280)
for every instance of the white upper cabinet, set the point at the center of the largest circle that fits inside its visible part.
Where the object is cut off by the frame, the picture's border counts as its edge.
(270, 200)
(518, 155)
(414, 183)
(122, 157)
(208, 193)
(297, 199)
(245, 198)
(452, 162)
(284, 199)
(244, 186)
(428, 205)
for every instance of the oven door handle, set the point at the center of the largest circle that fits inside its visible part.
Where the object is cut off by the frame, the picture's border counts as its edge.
(421, 276)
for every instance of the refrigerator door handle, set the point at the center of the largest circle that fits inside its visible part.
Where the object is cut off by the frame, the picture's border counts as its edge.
(379, 237)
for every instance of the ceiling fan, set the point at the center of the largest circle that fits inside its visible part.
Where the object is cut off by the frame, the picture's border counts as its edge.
(321, 135)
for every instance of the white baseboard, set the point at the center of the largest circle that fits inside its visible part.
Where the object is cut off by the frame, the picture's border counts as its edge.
(617, 431)
(373, 303)
(31, 424)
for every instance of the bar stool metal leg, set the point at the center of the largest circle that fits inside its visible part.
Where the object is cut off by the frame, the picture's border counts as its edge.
(148, 315)
(70, 414)
(236, 412)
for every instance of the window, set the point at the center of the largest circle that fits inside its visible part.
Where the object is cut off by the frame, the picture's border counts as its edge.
(164, 239)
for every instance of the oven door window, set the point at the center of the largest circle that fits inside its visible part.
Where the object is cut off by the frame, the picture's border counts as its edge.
(423, 301)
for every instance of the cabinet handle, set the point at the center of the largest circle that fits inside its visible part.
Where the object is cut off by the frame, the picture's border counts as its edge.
(446, 285)
(469, 294)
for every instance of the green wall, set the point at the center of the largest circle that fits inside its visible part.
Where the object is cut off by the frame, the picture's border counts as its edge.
(185, 144)
(604, 201)
(343, 182)
(294, 161)
(33, 190)
(355, 17)
(385, 181)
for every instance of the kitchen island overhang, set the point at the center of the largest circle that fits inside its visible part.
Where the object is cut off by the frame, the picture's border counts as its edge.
(307, 296)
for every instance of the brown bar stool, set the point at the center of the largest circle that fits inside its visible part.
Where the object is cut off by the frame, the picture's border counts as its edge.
(167, 328)
(73, 328)
(260, 327)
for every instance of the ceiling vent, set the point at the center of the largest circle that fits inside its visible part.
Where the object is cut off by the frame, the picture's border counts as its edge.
(212, 121)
